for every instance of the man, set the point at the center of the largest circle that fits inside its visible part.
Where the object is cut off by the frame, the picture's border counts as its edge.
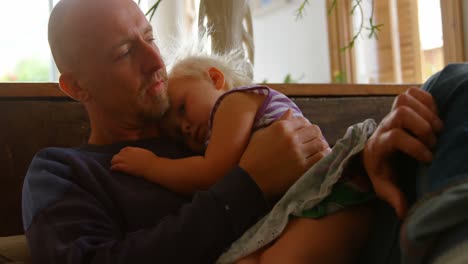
(75, 210)
(436, 228)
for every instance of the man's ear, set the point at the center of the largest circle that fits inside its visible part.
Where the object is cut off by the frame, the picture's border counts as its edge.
(69, 85)
(217, 76)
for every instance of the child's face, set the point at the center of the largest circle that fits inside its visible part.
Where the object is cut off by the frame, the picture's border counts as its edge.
(191, 102)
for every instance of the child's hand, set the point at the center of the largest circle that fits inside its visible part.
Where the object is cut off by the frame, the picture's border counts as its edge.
(134, 161)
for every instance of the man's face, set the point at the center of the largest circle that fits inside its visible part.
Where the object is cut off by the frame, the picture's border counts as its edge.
(120, 64)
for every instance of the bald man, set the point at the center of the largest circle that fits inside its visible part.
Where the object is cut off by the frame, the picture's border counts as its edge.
(75, 210)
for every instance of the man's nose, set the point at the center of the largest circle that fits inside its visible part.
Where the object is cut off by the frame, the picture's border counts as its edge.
(151, 57)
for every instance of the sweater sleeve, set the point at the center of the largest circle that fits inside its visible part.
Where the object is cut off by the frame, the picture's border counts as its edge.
(66, 223)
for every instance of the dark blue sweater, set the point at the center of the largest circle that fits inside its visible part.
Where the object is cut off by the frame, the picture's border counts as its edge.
(75, 210)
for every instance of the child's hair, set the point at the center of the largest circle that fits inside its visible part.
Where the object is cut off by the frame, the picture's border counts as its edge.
(193, 58)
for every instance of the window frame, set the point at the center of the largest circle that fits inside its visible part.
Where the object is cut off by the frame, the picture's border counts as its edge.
(337, 23)
(452, 27)
(340, 30)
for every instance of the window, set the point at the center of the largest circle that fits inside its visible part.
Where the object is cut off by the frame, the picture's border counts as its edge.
(24, 50)
(287, 48)
(413, 44)
(431, 38)
(305, 50)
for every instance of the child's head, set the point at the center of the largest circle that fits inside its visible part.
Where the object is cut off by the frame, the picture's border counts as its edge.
(196, 81)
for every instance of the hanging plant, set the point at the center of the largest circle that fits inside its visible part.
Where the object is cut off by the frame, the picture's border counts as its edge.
(357, 5)
(152, 9)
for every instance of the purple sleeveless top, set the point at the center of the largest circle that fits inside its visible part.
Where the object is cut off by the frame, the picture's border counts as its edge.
(273, 107)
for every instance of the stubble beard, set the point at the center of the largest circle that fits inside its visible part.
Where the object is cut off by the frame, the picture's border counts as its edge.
(155, 107)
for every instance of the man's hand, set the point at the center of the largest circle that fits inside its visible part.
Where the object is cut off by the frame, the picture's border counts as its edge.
(279, 154)
(411, 128)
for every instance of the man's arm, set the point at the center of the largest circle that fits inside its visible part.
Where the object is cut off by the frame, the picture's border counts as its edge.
(279, 154)
(66, 223)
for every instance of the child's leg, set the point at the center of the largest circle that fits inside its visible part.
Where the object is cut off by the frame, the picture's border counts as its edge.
(253, 258)
(336, 238)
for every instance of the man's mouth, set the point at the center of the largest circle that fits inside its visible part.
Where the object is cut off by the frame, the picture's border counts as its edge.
(157, 84)
(155, 88)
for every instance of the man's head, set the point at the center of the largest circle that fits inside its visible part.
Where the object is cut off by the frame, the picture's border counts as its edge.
(108, 60)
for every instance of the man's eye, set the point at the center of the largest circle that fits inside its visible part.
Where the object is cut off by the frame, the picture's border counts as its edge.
(124, 54)
(127, 52)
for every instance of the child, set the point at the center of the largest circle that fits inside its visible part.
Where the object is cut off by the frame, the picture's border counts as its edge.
(204, 107)
(214, 119)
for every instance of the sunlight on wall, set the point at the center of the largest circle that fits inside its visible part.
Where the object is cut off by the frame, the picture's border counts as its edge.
(286, 46)
(431, 37)
(430, 24)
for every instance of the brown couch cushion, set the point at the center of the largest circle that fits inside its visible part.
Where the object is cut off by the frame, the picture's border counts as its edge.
(14, 249)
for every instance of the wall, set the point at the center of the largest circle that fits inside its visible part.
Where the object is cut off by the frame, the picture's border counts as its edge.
(166, 21)
(282, 44)
(285, 45)
(366, 62)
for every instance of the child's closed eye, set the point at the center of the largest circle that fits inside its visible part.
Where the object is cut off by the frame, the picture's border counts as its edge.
(181, 109)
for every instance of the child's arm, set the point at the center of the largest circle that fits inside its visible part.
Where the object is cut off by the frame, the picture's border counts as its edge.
(230, 134)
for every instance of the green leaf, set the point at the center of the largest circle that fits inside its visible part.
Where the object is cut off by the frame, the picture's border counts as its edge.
(300, 10)
(152, 10)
